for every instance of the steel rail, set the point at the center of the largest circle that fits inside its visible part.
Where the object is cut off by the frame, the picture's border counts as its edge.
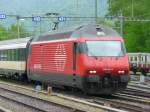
(92, 107)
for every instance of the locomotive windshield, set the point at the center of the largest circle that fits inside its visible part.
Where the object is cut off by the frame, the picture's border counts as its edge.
(105, 48)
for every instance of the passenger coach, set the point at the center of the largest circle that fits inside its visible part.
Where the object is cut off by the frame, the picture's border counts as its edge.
(13, 56)
(139, 62)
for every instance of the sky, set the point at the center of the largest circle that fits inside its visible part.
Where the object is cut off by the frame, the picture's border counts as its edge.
(25, 7)
(63, 7)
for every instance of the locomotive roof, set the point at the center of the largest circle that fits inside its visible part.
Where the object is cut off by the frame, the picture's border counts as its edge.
(14, 43)
(79, 31)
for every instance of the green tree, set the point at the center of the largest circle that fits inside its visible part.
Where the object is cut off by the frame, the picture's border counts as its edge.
(12, 32)
(3, 32)
(136, 34)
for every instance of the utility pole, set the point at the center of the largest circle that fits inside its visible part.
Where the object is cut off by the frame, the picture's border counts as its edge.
(132, 10)
(121, 23)
(96, 11)
(109, 4)
(18, 29)
(56, 22)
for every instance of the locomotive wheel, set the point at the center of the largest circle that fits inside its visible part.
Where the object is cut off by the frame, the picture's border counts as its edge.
(23, 78)
(67, 88)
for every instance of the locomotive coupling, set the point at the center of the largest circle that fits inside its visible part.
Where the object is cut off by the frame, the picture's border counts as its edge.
(93, 78)
(124, 78)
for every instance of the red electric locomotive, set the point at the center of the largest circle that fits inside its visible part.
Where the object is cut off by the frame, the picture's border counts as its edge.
(91, 57)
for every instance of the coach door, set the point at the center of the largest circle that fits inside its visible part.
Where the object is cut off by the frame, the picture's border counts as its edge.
(74, 57)
(74, 63)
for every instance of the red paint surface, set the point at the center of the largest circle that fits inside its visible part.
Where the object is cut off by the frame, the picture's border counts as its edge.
(52, 57)
(57, 57)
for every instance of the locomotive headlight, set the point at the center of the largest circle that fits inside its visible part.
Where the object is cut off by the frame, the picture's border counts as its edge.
(92, 71)
(121, 71)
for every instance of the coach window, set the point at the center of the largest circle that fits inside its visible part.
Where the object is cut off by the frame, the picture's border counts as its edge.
(146, 58)
(0, 55)
(6, 53)
(17, 54)
(142, 58)
(24, 53)
(135, 58)
(12, 53)
(3, 54)
(15, 57)
(131, 58)
(9, 55)
(21, 54)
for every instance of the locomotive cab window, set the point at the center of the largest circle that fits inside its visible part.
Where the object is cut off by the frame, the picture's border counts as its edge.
(105, 48)
(81, 47)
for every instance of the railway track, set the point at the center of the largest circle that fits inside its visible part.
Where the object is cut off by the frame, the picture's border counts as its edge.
(120, 103)
(31, 101)
(138, 85)
(128, 100)
(134, 98)
(137, 92)
(138, 89)
(137, 78)
(131, 99)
